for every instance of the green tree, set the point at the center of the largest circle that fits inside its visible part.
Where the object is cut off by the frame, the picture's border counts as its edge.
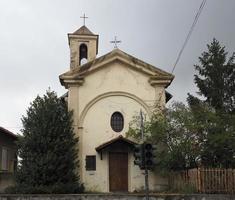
(216, 83)
(219, 146)
(189, 136)
(174, 133)
(47, 149)
(217, 135)
(202, 133)
(216, 78)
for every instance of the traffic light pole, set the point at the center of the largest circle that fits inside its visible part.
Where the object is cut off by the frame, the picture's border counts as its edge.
(146, 183)
(145, 167)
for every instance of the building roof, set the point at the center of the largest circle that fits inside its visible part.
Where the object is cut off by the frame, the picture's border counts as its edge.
(116, 54)
(65, 95)
(7, 133)
(168, 96)
(83, 31)
(120, 138)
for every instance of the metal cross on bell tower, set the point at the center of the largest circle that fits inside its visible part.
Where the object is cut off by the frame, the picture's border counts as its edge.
(84, 19)
(115, 42)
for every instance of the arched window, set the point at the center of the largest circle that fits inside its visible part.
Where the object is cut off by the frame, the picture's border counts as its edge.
(82, 52)
(117, 122)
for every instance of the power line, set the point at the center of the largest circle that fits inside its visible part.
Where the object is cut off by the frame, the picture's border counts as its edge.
(189, 33)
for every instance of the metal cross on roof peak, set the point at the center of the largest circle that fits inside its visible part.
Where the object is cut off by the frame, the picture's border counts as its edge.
(84, 19)
(115, 42)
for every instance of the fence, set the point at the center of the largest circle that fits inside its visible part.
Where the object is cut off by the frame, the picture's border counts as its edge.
(202, 180)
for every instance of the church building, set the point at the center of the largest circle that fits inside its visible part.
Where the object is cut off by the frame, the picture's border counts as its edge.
(105, 93)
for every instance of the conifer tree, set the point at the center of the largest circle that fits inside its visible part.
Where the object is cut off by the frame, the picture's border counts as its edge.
(47, 149)
(216, 78)
(216, 83)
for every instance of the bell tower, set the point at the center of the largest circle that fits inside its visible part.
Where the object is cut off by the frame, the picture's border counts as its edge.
(83, 46)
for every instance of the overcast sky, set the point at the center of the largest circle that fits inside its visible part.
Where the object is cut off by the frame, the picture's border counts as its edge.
(34, 49)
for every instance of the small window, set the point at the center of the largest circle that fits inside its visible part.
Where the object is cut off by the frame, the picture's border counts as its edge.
(4, 164)
(90, 163)
(117, 122)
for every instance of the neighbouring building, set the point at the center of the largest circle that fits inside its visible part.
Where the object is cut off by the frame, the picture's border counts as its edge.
(105, 93)
(8, 158)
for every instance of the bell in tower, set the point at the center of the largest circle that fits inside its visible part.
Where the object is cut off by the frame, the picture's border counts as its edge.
(83, 46)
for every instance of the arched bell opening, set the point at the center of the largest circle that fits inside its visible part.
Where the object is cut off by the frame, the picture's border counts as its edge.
(82, 54)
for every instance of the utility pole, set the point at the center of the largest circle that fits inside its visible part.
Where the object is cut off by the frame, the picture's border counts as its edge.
(142, 125)
(145, 167)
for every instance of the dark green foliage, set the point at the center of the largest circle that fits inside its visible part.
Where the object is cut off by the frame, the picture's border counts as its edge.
(216, 78)
(189, 137)
(173, 133)
(217, 135)
(216, 82)
(53, 189)
(202, 133)
(48, 149)
(219, 144)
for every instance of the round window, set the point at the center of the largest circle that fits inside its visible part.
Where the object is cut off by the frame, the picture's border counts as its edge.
(117, 122)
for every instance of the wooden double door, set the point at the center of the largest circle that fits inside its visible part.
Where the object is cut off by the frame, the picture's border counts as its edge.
(118, 172)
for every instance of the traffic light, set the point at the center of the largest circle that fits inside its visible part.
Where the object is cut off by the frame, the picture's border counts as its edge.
(149, 155)
(139, 155)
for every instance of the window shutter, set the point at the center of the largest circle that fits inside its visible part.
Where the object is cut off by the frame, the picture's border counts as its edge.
(90, 163)
(4, 159)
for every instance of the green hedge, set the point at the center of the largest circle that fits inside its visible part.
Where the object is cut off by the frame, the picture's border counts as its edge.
(52, 189)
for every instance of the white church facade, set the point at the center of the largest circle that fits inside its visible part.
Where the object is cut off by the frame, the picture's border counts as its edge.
(104, 94)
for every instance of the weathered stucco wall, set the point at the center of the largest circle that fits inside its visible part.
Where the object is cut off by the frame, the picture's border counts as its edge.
(111, 88)
(116, 197)
(75, 42)
(96, 132)
(119, 77)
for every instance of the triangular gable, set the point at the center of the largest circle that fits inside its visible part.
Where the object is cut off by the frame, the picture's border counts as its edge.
(83, 31)
(109, 143)
(156, 75)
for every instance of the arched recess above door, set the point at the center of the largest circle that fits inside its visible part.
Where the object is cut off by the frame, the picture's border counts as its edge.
(109, 94)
